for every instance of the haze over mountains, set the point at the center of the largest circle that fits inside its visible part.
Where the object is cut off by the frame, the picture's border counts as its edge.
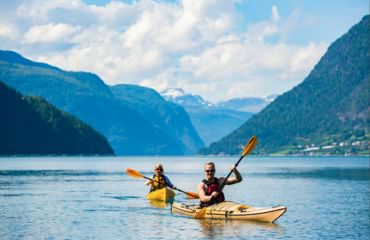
(247, 104)
(87, 97)
(136, 120)
(328, 113)
(215, 120)
(166, 116)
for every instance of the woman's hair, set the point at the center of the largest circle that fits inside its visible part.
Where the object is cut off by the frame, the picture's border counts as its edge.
(158, 166)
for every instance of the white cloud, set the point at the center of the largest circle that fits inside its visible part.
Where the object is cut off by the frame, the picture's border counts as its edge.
(5, 31)
(252, 69)
(50, 33)
(41, 9)
(250, 65)
(306, 57)
(190, 44)
(275, 13)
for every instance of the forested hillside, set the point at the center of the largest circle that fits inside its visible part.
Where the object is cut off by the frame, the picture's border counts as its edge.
(328, 113)
(168, 117)
(87, 97)
(30, 125)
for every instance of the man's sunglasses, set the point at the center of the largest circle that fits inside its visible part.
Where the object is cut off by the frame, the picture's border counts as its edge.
(210, 171)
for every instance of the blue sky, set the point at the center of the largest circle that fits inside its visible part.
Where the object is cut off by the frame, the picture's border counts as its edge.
(219, 49)
(329, 18)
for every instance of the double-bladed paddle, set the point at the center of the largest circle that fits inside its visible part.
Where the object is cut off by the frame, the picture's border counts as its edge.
(136, 174)
(247, 149)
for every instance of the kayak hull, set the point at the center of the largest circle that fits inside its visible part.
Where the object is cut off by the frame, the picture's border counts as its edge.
(163, 194)
(231, 210)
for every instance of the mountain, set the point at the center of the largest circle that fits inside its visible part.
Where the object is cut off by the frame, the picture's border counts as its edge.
(168, 117)
(248, 104)
(328, 113)
(213, 123)
(179, 96)
(210, 120)
(30, 125)
(85, 96)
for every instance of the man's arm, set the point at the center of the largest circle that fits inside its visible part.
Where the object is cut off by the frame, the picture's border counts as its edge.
(202, 195)
(236, 179)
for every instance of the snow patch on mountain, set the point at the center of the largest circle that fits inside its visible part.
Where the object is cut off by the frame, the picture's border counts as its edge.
(248, 104)
(173, 93)
(179, 96)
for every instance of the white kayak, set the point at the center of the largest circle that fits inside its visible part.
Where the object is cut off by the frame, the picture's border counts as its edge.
(231, 210)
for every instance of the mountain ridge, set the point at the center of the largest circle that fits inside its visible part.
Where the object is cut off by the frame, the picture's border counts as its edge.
(210, 120)
(328, 112)
(171, 118)
(245, 104)
(87, 97)
(31, 125)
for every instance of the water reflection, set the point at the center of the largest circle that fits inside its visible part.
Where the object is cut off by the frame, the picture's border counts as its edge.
(235, 228)
(62, 198)
(316, 173)
(158, 204)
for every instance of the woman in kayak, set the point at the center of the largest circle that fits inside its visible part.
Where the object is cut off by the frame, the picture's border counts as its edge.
(160, 180)
(207, 189)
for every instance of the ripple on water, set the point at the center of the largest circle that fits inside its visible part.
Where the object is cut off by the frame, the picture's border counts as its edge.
(21, 195)
(123, 197)
(324, 202)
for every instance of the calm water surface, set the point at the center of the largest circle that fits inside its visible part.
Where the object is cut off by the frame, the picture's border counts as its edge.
(93, 198)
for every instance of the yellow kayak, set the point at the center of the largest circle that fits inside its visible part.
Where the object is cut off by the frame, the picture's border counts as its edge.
(231, 210)
(163, 194)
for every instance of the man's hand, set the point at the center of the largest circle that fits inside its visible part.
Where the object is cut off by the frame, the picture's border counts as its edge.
(215, 194)
(233, 168)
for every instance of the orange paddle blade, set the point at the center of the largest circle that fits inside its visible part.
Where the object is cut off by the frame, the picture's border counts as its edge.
(250, 145)
(192, 195)
(134, 173)
(201, 213)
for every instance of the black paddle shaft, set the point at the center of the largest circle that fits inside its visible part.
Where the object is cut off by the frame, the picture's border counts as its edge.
(151, 179)
(168, 186)
(224, 182)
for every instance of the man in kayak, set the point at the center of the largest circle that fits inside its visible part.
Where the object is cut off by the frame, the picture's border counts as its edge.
(207, 189)
(160, 180)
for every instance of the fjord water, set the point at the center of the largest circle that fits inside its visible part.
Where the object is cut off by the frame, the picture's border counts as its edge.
(93, 198)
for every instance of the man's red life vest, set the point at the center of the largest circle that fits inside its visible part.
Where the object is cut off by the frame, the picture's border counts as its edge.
(212, 186)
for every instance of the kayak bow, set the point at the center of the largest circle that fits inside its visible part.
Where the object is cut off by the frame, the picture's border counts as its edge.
(163, 194)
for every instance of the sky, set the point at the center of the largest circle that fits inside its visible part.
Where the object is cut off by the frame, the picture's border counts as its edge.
(218, 49)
